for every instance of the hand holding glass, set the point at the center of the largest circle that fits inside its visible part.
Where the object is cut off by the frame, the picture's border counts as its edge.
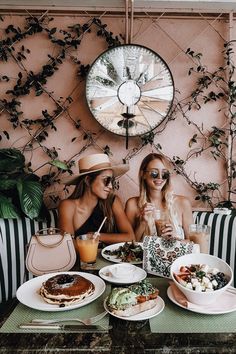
(162, 219)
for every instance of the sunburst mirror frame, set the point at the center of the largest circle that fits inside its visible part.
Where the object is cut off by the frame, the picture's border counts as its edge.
(129, 90)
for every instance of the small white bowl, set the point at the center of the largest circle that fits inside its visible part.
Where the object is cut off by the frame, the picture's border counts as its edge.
(197, 297)
(123, 270)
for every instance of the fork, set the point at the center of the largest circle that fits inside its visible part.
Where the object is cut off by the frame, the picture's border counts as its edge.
(86, 321)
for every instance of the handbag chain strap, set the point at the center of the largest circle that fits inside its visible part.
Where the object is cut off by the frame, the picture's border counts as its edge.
(50, 232)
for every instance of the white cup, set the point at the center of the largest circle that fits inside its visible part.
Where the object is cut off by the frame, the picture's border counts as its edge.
(124, 270)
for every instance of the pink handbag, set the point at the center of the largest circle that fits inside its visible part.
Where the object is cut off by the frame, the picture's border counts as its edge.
(50, 251)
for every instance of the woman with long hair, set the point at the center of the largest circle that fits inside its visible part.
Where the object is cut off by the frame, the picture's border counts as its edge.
(156, 197)
(93, 199)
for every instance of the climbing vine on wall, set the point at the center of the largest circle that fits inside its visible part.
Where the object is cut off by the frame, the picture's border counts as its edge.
(28, 81)
(210, 87)
(219, 142)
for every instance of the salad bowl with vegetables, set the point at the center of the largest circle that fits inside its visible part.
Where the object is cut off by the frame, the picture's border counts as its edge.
(201, 277)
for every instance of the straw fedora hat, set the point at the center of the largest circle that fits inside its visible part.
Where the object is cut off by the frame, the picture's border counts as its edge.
(95, 163)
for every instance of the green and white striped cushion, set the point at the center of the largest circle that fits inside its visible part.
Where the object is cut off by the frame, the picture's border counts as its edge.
(223, 236)
(14, 237)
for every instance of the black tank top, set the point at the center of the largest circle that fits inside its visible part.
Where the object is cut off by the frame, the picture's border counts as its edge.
(93, 222)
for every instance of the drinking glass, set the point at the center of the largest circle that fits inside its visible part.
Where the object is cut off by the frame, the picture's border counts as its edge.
(200, 234)
(162, 218)
(87, 247)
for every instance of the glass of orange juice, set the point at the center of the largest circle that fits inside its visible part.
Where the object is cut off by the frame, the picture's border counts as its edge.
(87, 247)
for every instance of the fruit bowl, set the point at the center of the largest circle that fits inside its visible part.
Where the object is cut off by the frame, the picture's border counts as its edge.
(201, 277)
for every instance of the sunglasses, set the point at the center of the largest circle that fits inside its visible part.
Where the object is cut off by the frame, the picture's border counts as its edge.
(157, 174)
(108, 180)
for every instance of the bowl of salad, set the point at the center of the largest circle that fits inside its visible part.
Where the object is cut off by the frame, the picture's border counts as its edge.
(201, 277)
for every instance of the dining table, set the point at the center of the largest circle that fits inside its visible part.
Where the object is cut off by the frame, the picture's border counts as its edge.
(172, 329)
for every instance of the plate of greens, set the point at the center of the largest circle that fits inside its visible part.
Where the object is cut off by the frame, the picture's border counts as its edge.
(130, 252)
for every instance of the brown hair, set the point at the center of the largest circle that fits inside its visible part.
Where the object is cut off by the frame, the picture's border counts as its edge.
(105, 205)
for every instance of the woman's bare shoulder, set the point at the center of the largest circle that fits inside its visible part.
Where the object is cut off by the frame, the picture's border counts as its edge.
(67, 203)
(133, 201)
(132, 204)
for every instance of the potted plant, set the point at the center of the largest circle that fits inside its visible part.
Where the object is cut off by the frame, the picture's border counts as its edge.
(21, 192)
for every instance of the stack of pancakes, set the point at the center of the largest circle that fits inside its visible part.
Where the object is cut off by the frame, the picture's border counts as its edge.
(66, 289)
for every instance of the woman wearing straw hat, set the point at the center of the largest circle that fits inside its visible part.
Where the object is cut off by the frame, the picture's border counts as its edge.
(156, 198)
(93, 199)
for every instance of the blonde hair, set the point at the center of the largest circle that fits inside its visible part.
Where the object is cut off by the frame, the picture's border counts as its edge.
(167, 193)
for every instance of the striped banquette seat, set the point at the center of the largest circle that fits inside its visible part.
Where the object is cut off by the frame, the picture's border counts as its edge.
(223, 236)
(15, 235)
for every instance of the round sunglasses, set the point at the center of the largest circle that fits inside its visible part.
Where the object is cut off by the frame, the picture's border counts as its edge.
(107, 180)
(154, 174)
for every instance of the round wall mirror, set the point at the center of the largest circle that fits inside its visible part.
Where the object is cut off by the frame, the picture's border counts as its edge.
(129, 90)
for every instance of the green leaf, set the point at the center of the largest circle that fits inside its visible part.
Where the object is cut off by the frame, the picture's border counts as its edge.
(6, 184)
(53, 30)
(31, 197)
(59, 164)
(11, 160)
(7, 209)
(192, 140)
(6, 134)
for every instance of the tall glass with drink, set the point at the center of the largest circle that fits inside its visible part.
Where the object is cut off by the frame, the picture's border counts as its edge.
(162, 218)
(87, 247)
(200, 234)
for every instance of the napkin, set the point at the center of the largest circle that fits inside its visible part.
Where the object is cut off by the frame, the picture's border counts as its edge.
(125, 270)
(222, 211)
(225, 302)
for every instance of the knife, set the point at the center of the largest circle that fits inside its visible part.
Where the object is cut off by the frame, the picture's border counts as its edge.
(67, 327)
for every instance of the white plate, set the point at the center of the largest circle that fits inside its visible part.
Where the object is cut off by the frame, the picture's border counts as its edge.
(114, 258)
(28, 294)
(136, 276)
(143, 315)
(209, 310)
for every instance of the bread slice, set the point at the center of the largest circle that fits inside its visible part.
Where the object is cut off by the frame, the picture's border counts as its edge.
(135, 309)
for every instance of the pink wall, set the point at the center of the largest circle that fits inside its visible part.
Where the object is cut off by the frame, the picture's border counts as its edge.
(169, 37)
